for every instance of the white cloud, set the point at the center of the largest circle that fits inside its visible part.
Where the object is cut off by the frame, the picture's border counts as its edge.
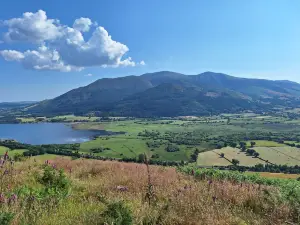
(41, 59)
(88, 75)
(12, 55)
(142, 63)
(32, 27)
(82, 24)
(61, 47)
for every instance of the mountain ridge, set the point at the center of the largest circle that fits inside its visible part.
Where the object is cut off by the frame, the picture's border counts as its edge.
(182, 94)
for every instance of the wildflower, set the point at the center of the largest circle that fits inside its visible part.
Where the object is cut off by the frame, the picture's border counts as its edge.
(6, 155)
(193, 172)
(122, 188)
(210, 182)
(5, 172)
(31, 198)
(54, 166)
(214, 198)
(13, 198)
(2, 198)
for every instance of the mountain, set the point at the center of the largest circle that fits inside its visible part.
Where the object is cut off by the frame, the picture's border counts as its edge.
(168, 93)
(11, 105)
(96, 96)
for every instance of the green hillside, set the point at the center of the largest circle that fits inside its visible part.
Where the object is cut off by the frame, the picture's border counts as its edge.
(172, 94)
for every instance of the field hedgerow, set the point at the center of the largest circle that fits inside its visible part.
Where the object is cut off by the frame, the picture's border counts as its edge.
(82, 191)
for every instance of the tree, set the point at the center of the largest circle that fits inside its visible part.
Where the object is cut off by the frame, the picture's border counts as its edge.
(141, 158)
(250, 151)
(255, 154)
(252, 143)
(243, 148)
(235, 162)
(242, 144)
(194, 156)
(222, 155)
(232, 144)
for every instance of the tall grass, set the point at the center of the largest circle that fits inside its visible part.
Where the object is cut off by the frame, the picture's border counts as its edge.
(88, 192)
(289, 189)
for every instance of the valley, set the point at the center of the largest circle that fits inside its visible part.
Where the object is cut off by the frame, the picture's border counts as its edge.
(178, 140)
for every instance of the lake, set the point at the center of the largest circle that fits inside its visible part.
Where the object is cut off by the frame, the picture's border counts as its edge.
(46, 133)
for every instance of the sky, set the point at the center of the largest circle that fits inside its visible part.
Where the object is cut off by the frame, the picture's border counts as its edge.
(50, 47)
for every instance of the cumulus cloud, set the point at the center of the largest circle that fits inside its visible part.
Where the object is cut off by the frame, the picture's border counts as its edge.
(12, 55)
(32, 27)
(82, 24)
(63, 48)
(41, 59)
(88, 75)
(142, 63)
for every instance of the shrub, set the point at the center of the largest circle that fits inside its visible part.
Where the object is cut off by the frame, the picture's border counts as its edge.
(172, 148)
(18, 157)
(117, 213)
(6, 218)
(53, 178)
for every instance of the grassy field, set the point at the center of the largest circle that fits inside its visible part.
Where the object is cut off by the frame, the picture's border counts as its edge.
(191, 133)
(10, 152)
(125, 145)
(72, 118)
(205, 132)
(264, 143)
(280, 155)
(105, 192)
(275, 175)
(213, 158)
(277, 155)
(43, 158)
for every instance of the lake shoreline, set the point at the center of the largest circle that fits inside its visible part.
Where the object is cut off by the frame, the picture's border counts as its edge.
(50, 133)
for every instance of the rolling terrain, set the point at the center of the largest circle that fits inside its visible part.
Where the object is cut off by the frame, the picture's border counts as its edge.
(172, 94)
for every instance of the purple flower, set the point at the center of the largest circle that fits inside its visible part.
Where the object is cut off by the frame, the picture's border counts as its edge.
(13, 198)
(214, 198)
(5, 172)
(31, 198)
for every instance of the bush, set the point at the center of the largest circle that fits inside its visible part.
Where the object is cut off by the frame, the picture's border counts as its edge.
(53, 178)
(117, 213)
(6, 218)
(172, 148)
(18, 157)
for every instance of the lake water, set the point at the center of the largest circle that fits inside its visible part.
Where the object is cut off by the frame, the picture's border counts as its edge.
(46, 133)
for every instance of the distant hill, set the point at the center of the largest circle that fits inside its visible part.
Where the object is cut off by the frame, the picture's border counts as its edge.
(168, 93)
(11, 105)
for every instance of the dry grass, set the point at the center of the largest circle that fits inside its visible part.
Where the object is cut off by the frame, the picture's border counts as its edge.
(277, 175)
(179, 199)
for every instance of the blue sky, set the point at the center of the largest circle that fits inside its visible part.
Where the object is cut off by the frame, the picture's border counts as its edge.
(256, 38)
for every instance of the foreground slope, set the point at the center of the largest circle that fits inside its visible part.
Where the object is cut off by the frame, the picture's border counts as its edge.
(105, 192)
(171, 94)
